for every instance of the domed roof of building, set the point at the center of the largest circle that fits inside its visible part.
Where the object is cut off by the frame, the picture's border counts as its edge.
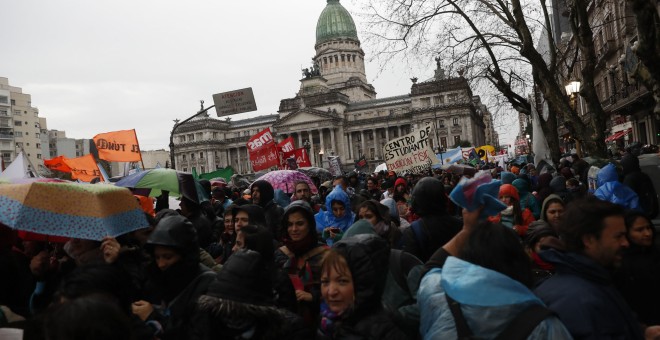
(335, 22)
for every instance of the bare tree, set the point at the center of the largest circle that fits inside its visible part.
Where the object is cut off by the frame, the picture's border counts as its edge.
(496, 41)
(647, 48)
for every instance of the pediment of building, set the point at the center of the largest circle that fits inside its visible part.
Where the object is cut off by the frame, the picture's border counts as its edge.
(306, 115)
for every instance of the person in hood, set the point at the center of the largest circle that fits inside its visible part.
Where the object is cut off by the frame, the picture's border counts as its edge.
(435, 226)
(581, 291)
(176, 279)
(338, 216)
(513, 216)
(611, 190)
(378, 215)
(507, 177)
(263, 195)
(641, 184)
(353, 276)
(300, 257)
(553, 209)
(527, 200)
(492, 296)
(240, 304)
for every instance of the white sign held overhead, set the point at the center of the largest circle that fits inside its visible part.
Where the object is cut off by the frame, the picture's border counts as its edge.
(233, 102)
(411, 153)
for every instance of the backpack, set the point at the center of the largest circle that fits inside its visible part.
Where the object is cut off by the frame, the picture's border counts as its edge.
(518, 329)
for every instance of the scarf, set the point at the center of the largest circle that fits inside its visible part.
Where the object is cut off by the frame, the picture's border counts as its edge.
(540, 263)
(299, 248)
(328, 320)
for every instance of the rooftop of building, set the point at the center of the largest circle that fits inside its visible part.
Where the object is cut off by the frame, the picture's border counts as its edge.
(334, 23)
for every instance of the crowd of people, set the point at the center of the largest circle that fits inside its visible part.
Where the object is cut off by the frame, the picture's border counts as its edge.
(367, 257)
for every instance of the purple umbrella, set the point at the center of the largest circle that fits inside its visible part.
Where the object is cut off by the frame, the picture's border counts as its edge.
(285, 180)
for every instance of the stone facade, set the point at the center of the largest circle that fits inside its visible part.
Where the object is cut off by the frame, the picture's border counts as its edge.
(338, 112)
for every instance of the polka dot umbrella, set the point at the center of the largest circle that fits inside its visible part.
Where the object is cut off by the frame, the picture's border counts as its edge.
(67, 209)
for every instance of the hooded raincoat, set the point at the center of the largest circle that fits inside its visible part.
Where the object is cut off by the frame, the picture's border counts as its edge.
(611, 190)
(326, 219)
(527, 200)
(489, 301)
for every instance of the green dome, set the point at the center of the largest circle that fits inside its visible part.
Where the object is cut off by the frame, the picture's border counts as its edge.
(335, 22)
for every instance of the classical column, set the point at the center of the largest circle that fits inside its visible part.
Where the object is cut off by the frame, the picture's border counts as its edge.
(398, 130)
(387, 134)
(364, 152)
(312, 154)
(321, 141)
(333, 146)
(349, 145)
(300, 140)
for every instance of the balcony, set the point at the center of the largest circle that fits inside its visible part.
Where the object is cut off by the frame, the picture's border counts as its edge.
(6, 136)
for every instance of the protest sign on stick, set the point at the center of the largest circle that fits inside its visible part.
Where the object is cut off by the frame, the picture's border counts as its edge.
(410, 153)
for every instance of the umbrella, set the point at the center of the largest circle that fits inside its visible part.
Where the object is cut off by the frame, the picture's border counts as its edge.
(177, 182)
(285, 180)
(459, 169)
(312, 171)
(70, 209)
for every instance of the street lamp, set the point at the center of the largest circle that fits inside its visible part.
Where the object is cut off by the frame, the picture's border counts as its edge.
(529, 142)
(572, 90)
(177, 124)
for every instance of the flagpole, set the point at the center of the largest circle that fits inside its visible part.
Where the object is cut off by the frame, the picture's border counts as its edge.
(138, 143)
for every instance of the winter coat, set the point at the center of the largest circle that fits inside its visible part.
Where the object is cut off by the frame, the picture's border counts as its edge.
(507, 219)
(239, 304)
(527, 200)
(582, 294)
(325, 219)
(641, 184)
(436, 225)
(546, 203)
(489, 301)
(638, 280)
(611, 190)
(367, 257)
(507, 177)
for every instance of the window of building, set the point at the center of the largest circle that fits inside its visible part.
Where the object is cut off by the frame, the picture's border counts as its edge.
(439, 100)
(191, 137)
(13, 102)
(455, 121)
(359, 137)
(443, 142)
(457, 140)
(215, 135)
(3, 112)
(18, 123)
(343, 58)
(371, 136)
(451, 97)
(372, 152)
(192, 156)
(183, 157)
(202, 169)
(201, 155)
(39, 145)
(185, 169)
(442, 123)
(426, 102)
(18, 134)
(19, 144)
(4, 99)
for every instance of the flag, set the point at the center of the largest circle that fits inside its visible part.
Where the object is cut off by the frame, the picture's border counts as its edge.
(286, 145)
(118, 146)
(362, 162)
(194, 173)
(83, 168)
(264, 153)
(57, 163)
(301, 157)
(225, 173)
(451, 156)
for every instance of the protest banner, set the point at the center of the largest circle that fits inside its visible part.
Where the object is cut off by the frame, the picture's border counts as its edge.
(335, 165)
(118, 146)
(411, 153)
(300, 156)
(83, 168)
(286, 145)
(361, 163)
(263, 151)
(57, 164)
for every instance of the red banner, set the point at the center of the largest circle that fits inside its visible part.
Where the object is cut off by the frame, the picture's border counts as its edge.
(57, 163)
(118, 146)
(83, 168)
(302, 159)
(286, 145)
(261, 139)
(264, 157)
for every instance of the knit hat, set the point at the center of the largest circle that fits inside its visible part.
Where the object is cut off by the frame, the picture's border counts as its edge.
(509, 190)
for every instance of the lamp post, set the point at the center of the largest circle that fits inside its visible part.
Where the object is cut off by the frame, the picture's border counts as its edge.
(321, 157)
(177, 124)
(572, 90)
(529, 144)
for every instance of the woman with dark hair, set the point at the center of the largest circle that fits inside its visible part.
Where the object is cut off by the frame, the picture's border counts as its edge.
(513, 216)
(353, 275)
(338, 216)
(378, 215)
(552, 210)
(494, 295)
(259, 239)
(638, 278)
(300, 258)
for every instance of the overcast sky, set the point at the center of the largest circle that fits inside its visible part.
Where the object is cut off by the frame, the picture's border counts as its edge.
(99, 66)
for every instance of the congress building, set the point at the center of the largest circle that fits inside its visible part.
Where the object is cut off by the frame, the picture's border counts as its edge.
(337, 112)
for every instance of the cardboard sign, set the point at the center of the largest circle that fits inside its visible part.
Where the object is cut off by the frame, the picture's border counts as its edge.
(411, 153)
(335, 166)
(118, 146)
